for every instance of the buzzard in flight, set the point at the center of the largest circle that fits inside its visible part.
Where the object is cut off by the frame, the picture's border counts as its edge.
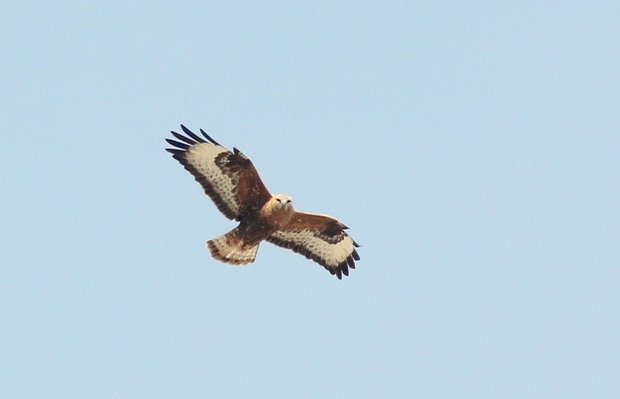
(231, 181)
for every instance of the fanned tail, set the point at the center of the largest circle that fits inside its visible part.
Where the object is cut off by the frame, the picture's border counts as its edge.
(230, 248)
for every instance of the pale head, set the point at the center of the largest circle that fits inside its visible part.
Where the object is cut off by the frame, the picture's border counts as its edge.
(283, 201)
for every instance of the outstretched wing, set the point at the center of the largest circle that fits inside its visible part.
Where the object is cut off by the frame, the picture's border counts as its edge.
(229, 178)
(320, 238)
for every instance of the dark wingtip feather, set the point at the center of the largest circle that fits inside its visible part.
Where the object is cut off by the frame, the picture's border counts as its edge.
(209, 137)
(175, 151)
(355, 255)
(178, 144)
(339, 274)
(192, 135)
(183, 138)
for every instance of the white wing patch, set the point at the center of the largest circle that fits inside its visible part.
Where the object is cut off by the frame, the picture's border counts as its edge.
(337, 256)
(228, 178)
(203, 157)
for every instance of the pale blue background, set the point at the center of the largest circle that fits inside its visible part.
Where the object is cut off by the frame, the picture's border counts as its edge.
(472, 147)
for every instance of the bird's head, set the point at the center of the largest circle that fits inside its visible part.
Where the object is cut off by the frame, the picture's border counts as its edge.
(283, 201)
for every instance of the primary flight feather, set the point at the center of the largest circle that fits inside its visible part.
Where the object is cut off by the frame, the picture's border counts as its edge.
(233, 184)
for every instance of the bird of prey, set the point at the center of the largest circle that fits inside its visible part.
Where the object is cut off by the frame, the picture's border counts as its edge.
(231, 181)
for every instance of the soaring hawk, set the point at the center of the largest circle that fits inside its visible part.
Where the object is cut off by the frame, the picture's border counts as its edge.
(232, 183)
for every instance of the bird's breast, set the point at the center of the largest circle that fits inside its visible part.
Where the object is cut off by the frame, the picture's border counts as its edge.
(279, 218)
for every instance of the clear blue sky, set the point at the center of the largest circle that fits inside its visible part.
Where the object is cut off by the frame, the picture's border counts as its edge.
(473, 149)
